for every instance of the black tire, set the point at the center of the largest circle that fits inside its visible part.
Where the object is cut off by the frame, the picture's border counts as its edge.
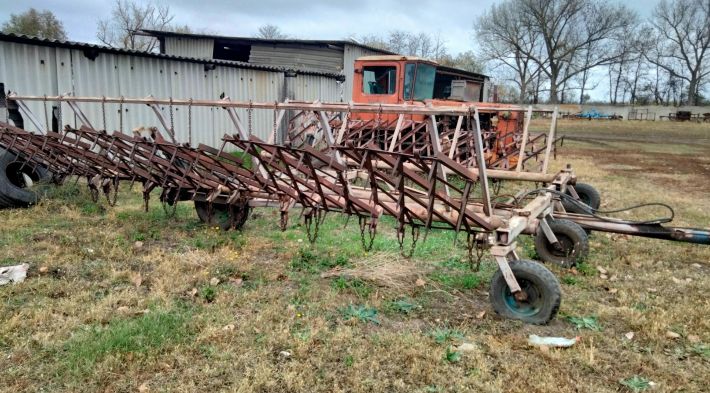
(220, 215)
(14, 191)
(573, 240)
(541, 287)
(587, 195)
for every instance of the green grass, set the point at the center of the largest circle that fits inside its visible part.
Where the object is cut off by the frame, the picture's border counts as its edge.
(148, 334)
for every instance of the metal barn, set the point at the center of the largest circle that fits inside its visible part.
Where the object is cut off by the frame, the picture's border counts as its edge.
(34, 66)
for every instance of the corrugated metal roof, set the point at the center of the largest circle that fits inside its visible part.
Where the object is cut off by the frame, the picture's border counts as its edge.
(24, 39)
(254, 40)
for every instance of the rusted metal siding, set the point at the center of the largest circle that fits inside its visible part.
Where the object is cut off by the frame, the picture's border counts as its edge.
(40, 70)
(324, 58)
(350, 54)
(189, 47)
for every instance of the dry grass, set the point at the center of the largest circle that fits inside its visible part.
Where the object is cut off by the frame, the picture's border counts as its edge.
(195, 309)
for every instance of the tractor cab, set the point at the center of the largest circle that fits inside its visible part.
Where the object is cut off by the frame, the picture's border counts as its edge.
(394, 79)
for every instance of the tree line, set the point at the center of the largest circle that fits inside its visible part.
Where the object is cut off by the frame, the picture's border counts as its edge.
(559, 49)
(537, 50)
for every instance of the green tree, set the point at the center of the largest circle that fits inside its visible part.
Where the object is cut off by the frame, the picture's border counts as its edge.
(42, 24)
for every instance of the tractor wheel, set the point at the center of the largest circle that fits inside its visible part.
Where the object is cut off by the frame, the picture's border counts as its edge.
(573, 243)
(220, 215)
(587, 195)
(16, 179)
(541, 288)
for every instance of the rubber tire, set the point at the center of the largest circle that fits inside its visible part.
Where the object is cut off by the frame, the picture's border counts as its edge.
(569, 234)
(13, 194)
(220, 215)
(587, 195)
(530, 274)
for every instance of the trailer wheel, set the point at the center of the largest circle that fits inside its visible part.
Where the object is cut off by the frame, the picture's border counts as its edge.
(573, 243)
(220, 215)
(587, 195)
(541, 288)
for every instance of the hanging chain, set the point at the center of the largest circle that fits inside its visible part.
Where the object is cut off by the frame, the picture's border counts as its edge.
(172, 121)
(170, 211)
(372, 231)
(249, 114)
(107, 191)
(273, 130)
(308, 221)
(120, 115)
(472, 242)
(401, 234)
(103, 111)
(46, 117)
(189, 122)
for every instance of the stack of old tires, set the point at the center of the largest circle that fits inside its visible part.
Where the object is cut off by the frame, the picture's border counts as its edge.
(18, 181)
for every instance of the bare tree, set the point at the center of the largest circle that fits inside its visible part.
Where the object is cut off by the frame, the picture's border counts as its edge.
(424, 45)
(467, 61)
(122, 29)
(42, 24)
(561, 30)
(506, 39)
(684, 29)
(271, 32)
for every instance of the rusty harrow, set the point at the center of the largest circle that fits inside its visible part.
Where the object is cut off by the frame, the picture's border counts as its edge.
(422, 185)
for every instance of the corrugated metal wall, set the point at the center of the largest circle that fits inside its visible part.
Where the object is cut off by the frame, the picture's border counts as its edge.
(350, 54)
(201, 48)
(298, 56)
(38, 70)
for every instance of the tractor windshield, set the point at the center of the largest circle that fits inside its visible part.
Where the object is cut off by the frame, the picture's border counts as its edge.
(420, 76)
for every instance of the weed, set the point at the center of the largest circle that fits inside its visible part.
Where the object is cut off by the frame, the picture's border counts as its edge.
(349, 361)
(404, 306)
(636, 383)
(209, 293)
(570, 280)
(585, 268)
(357, 286)
(589, 323)
(442, 335)
(451, 355)
(361, 313)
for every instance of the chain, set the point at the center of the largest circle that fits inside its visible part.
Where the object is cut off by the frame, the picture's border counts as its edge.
(471, 244)
(249, 114)
(120, 116)
(400, 238)
(273, 130)
(189, 122)
(103, 110)
(308, 221)
(170, 213)
(46, 117)
(59, 117)
(283, 220)
(107, 191)
(7, 109)
(367, 245)
(172, 122)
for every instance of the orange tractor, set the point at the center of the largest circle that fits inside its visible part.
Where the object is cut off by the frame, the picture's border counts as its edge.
(406, 81)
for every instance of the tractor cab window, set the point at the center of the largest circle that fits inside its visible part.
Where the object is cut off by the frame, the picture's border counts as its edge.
(419, 81)
(379, 80)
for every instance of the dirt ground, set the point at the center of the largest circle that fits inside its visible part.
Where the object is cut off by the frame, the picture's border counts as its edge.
(121, 300)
